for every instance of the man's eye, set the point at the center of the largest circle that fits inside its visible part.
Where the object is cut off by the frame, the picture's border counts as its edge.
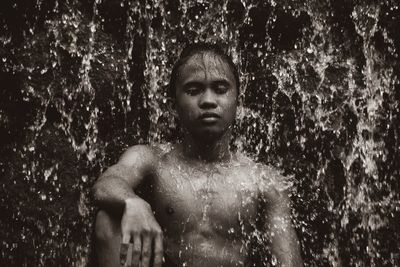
(192, 90)
(221, 89)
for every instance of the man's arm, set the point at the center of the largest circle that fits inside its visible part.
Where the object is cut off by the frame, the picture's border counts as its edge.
(277, 225)
(284, 243)
(117, 183)
(114, 192)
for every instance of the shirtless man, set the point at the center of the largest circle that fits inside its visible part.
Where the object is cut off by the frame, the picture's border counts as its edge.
(195, 203)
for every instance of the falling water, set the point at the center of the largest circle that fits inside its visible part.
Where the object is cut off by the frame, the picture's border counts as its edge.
(83, 80)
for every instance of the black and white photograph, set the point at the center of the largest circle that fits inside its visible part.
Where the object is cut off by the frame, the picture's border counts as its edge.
(199, 133)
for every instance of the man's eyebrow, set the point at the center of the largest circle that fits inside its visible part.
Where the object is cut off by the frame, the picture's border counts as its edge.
(221, 82)
(192, 83)
(200, 84)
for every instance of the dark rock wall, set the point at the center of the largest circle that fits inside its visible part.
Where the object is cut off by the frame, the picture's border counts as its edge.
(80, 81)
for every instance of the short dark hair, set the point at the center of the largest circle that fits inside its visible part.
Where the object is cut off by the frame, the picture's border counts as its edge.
(200, 48)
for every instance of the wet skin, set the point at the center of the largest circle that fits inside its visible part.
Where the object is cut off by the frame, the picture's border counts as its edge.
(207, 211)
(206, 200)
(198, 203)
(206, 98)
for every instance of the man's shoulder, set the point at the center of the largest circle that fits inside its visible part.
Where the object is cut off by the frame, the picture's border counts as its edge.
(246, 161)
(271, 181)
(144, 153)
(270, 172)
(262, 170)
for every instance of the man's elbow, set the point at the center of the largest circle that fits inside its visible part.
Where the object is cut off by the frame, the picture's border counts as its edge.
(100, 189)
(98, 192)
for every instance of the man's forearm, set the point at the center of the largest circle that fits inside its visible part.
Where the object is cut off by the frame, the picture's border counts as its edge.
(111, 195)
(111, 190)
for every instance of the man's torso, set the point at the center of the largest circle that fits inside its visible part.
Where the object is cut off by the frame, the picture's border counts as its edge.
(208, 211)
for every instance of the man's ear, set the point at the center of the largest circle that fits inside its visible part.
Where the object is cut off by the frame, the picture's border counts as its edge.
(239, 97)
(171, 106)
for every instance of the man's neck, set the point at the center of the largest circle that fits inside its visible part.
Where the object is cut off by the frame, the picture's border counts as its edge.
(210, 150)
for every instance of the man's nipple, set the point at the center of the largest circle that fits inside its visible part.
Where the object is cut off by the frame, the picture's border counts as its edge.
(169, 210)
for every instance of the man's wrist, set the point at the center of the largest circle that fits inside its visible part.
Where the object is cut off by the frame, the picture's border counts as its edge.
(130, 200)
(134, 201)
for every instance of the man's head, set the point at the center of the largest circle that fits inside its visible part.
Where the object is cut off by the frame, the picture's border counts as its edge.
(205, 85)
(198, 49)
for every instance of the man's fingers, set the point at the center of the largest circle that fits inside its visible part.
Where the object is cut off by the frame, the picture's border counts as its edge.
(126, 238)
(123, 253)
(124, 248)
(146, 250)
(158, 250)
(137, 250)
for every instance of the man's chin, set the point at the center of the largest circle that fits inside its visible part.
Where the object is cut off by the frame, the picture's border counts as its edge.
(208, 135)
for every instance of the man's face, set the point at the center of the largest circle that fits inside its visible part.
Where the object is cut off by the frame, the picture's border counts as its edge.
(206, 95)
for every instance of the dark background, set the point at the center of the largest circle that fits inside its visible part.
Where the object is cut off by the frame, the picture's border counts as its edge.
(80, 81)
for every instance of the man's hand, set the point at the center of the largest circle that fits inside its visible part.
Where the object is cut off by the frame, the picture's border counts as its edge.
(139, 226)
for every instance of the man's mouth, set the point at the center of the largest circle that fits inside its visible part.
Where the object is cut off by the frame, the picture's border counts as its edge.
(209, 117)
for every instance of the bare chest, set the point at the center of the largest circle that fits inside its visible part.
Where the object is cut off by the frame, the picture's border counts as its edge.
(207, 201)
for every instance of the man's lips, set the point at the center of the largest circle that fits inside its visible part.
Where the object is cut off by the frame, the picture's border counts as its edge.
(209, 117)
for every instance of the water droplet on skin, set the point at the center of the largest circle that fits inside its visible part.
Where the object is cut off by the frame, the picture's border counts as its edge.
(274, 261)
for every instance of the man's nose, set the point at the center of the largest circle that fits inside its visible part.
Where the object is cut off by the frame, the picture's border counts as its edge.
(208, 100)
